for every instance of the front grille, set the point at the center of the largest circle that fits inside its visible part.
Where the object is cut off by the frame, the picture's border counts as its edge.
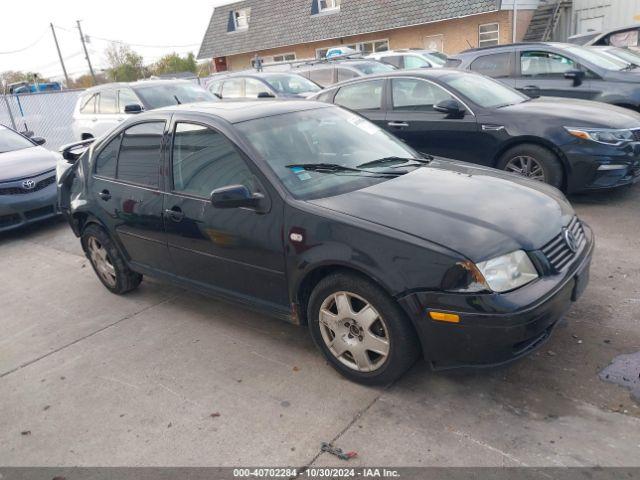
(558, 251)
(636, 134)
(21, 191)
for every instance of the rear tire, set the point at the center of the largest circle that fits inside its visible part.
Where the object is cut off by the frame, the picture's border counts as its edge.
(534, 162)
(107, 261)
(362, 331)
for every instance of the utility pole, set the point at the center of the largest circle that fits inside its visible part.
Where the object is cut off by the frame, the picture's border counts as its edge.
(55, 39)
(86, 53)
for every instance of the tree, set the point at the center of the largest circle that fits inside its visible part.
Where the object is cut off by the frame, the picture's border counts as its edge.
(174, 63)
(86, 81)
(125, 65)
(13, 76)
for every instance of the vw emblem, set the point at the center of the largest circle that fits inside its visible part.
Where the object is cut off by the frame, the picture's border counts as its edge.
(570, 240)
(29, 184)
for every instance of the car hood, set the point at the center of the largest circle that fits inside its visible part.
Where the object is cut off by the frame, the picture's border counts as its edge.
(577, 113)
(27, 162)
(478, 212)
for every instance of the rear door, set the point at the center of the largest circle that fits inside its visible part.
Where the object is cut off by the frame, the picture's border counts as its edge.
(236, 252)
(364, 97)
(411, 117)
(500, 66)
(127, 185)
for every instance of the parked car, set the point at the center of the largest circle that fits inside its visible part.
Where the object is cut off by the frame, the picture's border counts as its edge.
(571, 144)
(27, 180)
(101, 108)
(311, 213)
(262, 85)
(627, 37)
(411, 58)
(328, 72)
(558, 70)
(627, 55)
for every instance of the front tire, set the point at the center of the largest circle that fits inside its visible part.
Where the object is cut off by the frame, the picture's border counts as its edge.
(361, 330)
(106, 260)
(534, 162)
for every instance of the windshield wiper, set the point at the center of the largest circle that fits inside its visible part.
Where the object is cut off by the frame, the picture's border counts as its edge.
(334, 168)
(400, 161)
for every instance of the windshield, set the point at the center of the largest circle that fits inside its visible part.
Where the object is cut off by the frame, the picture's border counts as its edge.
(11, 141)
(624, 54)
(163, 95)
(322, 136)
(289, 83)
(373, 67)
(484, 91)
(598, 59)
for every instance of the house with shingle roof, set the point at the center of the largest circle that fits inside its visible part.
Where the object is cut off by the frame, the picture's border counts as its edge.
(286, 30)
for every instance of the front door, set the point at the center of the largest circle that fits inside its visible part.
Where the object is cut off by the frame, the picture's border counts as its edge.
(236, 252)
(412, 118)
(126, 183)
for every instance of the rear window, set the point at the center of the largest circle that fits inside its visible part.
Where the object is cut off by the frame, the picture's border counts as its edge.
(107, 158)
(498, 65)
(170, 93)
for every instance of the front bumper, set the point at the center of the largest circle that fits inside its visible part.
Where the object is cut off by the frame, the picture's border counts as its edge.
(497, 328)
(18, 210)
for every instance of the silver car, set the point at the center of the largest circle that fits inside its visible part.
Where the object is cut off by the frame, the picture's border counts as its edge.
(27, 180)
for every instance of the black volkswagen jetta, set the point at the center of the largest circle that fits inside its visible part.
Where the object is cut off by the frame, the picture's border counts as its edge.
(312, 213)
(575, 145)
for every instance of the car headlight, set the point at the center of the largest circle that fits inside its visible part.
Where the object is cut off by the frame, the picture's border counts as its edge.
(607, 136)
(508, 272)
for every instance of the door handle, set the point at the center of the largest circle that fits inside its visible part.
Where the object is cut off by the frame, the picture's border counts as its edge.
(398, 124)
(105, 195)
(175, 213)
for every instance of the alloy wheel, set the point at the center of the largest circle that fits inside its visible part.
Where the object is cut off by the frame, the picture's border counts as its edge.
(354, 332)
(527, 167)
(101, 261)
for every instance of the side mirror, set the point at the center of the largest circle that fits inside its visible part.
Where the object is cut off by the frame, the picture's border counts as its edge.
(266, 95)
(235, 196)
(38, 140)
(576, 75)
(133, 108)
(451, 108)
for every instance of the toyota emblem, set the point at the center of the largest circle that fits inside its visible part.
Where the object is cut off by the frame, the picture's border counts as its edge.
(29, 184)
(570, 240)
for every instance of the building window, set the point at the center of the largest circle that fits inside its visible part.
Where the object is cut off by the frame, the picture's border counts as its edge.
(242, 18)
(488, 34)
(324, 5)
(283, 57)
(363, 47)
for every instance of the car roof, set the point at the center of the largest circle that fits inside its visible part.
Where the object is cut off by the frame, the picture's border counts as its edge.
(510, 46)
(251, 74)
(139, 83)
(235, 112)
(426, 73)
(336, 63)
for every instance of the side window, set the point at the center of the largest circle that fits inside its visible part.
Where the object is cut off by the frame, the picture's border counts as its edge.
(325, 96)
(89, 105)
(139, 159)
(498, 65)
(413, 61)
(232, 88)
(545, 64)
(411, 94)
(253, 87)
(106, 159)
(204, 159)
(108, 102)
(361, 96)
(214, 87)
(395, 60)
(346, 74)
(126, 96)
(322, 76)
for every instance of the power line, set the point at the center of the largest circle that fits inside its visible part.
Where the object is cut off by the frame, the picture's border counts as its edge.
(142, 45)
(27, 47)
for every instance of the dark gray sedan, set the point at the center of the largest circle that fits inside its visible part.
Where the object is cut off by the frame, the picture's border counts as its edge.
(27, 180)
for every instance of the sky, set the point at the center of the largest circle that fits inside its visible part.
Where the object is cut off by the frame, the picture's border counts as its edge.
(151, 28)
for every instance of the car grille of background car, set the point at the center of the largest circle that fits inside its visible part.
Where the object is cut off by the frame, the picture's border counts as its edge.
(21, 191)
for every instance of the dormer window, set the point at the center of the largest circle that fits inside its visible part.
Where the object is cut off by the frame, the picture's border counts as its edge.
(241, 18)
(328, 5)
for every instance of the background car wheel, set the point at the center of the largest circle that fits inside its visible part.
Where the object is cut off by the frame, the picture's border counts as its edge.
(534, 162)
(107, 261)
(362, 331)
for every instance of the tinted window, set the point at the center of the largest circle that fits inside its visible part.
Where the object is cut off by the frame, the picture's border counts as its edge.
(545, 64)
(139, 158)
(127, 97)
(290, 83)
(253, 87)
(361, 96)
(395, 60)
(89, 105)
(410, 94)
(204, 160)
(106, 159)
(484, 91)
(413, 61)
(108, 102)
(232, 88)
(322, 76)
(346, 74)
(374, 67)
(158, 95)
(497, 65)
